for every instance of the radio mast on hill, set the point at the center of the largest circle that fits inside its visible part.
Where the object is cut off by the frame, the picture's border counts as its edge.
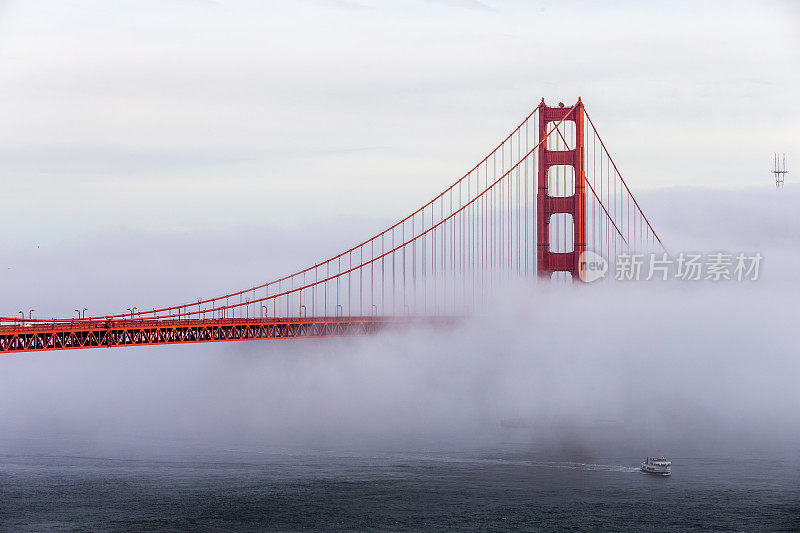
(780, 170)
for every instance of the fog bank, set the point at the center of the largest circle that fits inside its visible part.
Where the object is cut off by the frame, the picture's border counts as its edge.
(678, 367)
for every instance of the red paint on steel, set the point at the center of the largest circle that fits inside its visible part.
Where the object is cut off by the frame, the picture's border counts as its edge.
(547, 205)
(137, 332)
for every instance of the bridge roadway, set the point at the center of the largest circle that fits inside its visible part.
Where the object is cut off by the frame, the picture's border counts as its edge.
(79, 333)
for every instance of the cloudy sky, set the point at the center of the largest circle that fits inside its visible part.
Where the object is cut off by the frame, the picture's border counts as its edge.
(196, 116)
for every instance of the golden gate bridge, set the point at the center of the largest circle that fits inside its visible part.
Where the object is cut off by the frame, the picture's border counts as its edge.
(530, 209)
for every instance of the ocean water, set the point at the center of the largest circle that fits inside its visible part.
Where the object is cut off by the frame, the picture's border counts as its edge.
(291, 491)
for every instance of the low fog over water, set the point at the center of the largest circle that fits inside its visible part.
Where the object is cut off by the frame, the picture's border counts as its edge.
(574, 372)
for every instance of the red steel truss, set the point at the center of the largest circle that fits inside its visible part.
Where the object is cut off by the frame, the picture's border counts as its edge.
(116, 333)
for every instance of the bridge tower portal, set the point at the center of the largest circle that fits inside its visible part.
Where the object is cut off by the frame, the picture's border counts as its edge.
(548, 260)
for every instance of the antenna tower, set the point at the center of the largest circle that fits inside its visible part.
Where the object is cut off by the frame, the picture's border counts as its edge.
(779, 170)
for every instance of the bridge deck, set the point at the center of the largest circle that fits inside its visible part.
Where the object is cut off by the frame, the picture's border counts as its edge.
(138, 332)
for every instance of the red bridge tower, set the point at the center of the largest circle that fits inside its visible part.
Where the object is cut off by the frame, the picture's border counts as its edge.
(549, 205)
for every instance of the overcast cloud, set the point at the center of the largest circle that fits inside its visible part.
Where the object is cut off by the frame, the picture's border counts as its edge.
(194, 116)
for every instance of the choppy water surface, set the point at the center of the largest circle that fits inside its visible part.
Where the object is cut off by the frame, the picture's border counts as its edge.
(286, 491)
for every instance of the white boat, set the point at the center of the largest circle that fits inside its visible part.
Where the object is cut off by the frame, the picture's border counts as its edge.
(657, 465)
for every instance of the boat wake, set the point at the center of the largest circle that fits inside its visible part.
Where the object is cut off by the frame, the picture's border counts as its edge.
(571, 465)
(588, 466)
